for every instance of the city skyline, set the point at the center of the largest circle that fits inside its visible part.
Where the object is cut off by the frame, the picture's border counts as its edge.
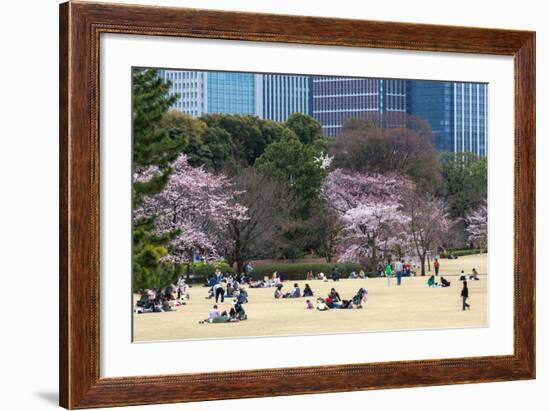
(456, 111)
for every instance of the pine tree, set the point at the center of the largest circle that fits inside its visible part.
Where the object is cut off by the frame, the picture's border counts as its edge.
(152, 145)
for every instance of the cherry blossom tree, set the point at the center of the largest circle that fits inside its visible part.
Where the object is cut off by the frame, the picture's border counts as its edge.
(194, 207)
(476, 225)
(369, 206)
(427, 223)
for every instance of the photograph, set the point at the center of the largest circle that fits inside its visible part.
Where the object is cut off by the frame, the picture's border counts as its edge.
(284, 204)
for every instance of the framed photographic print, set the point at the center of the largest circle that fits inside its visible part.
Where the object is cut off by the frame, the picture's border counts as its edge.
(253, 201)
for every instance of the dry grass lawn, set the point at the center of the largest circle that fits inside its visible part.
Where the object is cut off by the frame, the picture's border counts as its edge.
(411, 306)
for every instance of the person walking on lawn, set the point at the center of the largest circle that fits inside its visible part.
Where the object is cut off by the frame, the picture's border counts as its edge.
(465, 294)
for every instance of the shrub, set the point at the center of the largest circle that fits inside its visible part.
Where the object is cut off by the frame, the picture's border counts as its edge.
(460, 252)
(199, 272)
(298, 271)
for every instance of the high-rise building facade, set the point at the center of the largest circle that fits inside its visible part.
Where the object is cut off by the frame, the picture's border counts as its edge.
(336, 99)
(190, 86)
(212, 92)
(279, 96)
(470, 118)
(231, 93)
(456, 112)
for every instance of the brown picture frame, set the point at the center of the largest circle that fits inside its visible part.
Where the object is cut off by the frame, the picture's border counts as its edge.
(80, 27)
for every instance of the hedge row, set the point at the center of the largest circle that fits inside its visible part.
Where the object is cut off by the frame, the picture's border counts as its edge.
(298, 271)
(460, 253)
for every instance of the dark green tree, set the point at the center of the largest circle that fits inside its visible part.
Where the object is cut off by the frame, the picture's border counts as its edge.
(250, 135)
(307, 129)
(211, 146)
(152, 145)
(297, 165)
(464, 182)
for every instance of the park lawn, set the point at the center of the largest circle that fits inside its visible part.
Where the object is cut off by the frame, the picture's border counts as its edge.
(411, 306)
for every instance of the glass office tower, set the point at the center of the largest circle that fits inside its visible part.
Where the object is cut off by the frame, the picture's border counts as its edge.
(336, 99)
(282, 95)
(231, 93)
(457, 113)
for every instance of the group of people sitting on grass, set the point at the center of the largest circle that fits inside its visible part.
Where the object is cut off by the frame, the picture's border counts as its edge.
(432, 282)
(473, 275)
(222, 290)
(163, 299)
(295, 293)
(235, 314)
(333, 301)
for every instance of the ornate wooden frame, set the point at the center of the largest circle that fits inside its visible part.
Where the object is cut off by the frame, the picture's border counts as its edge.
(80, 27)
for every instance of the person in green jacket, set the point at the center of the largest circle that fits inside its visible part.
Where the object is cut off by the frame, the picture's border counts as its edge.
(431, 281)
(388, 272)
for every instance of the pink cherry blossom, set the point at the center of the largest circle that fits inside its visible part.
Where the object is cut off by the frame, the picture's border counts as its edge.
(196, 205)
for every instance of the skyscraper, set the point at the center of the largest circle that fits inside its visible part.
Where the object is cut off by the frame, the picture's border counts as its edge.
(457, 113)
(212, 92)
(191, 88)
(282, 95)
(335, 99)
(231, 93)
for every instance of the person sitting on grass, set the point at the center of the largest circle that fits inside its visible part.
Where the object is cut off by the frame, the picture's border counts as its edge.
(321, 276)
(309, 305)
(361, 274)
(444, 282)
(240, 312)
(242, 298)
(322, 305)
(279, 292)
(431, 281)
(229, 290)
(361, 297)
(352, 275)
(308, 292)
(462, 276)
(334, 295)
(309, 275)
(474, 275)
(183, 289)
(214, 316)
(295, 291)
(335, 273)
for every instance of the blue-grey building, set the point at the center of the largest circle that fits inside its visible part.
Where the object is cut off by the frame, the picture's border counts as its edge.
(457, 113)
(336, 99)
(231, 93)
(282, 95)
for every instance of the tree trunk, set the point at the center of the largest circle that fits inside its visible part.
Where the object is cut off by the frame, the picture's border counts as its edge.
(423, 265)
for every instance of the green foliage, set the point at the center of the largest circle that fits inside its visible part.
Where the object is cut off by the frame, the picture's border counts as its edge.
(199, 272)
(152, 145)
(211, 146)
(249, 135)
(461, 252)
(150, 102)
(295, 164)
(147, 252)
(306, 128)
(298, 271)
(464, 182)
